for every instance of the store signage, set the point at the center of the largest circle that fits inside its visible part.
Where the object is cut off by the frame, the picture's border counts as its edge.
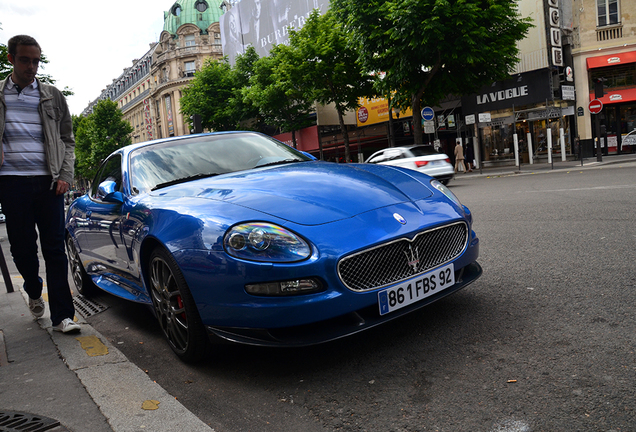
(567, 92)
(470, 119)
(554, 32)
(521, 89)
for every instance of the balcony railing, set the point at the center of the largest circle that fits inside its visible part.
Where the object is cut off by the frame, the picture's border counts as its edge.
(609, 32)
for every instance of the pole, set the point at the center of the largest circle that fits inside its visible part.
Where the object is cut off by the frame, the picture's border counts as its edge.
(597, 124)
(5, 272)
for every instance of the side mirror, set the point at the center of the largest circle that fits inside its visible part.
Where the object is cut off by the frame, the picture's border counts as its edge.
(107, 192)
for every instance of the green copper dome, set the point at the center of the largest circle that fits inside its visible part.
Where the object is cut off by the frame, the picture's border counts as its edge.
(201, 13)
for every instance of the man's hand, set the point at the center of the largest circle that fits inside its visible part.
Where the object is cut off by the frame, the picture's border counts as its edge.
(62, 187)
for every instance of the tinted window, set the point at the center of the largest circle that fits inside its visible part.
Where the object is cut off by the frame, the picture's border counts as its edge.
(423, 150)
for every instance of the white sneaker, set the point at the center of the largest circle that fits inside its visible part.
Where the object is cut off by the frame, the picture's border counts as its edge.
(67, 326)
(36, 306)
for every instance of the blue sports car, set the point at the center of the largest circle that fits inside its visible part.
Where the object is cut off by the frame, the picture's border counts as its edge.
(240, 237)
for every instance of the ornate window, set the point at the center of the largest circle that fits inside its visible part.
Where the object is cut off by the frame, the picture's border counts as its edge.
(176, 9)
(189, 40)
(201, 6)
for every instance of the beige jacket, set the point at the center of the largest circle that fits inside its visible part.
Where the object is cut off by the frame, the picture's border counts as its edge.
(57, 127)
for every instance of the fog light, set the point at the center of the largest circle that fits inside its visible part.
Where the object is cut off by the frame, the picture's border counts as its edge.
(285, 288)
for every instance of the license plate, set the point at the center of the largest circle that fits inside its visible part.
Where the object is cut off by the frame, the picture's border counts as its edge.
(416, 289)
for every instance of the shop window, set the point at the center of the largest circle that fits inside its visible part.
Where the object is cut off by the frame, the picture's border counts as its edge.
(607, 12)
(614, 78)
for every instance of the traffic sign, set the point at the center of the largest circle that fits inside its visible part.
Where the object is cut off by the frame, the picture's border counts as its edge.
(428, 113)
(595, 106)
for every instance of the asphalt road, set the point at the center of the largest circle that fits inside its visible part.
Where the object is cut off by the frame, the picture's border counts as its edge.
(544, 341)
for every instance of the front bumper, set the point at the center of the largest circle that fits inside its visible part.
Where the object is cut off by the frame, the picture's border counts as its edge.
(338, 327)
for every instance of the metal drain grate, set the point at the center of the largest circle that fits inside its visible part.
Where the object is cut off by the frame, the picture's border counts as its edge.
(87, 308)
(14, 421)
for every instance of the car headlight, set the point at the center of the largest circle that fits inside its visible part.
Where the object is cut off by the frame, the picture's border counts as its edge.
(446, 191)
(261, 241)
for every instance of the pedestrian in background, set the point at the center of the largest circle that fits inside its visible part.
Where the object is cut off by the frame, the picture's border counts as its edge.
(470, 157)
(37, 168)
(459, 157)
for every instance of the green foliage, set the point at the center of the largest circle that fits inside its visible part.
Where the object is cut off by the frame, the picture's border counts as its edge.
(326, 65)
(281, 100)
(97, 136)
(432, 48)
(209, 95)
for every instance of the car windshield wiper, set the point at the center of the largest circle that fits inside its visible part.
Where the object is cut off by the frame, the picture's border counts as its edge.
(280, 162)
(183, 180)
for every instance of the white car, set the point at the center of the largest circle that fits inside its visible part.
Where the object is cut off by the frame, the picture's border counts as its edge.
(2, 218)
(420, 157)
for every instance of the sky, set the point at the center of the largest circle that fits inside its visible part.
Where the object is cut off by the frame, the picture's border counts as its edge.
(88, 42)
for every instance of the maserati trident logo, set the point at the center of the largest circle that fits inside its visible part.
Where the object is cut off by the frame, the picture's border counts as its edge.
(398, 217)
(413, 258)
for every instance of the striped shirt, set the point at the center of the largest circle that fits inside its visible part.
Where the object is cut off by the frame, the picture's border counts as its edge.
(23, 141)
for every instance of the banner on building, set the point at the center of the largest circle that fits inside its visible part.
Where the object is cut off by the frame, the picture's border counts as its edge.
(263, 24)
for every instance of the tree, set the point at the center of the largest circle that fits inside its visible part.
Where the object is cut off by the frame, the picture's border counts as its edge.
(432, 48)
(327, 67)
(98, 135)
(208, 95)
(281, 100)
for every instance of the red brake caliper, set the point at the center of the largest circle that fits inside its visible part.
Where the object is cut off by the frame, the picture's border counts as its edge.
(180, 303)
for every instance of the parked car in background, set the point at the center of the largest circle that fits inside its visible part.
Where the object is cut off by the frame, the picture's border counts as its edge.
(422, 158)
(237, 236)
(2, 218)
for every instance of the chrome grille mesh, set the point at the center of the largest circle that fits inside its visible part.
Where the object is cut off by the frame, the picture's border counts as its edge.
(403, 259)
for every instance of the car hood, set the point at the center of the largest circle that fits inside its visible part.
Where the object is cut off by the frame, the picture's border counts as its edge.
(309, 193)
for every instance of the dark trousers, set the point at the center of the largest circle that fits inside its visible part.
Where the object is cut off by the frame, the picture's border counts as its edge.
(28, 202)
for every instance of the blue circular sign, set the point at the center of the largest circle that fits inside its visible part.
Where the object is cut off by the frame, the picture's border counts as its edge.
(427, 113)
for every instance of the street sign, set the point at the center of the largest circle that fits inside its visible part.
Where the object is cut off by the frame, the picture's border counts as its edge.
(595, 106)
(428, 113)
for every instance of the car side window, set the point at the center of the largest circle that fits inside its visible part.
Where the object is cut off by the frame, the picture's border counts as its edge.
(393, 154)
(110, 170)
(380, 157)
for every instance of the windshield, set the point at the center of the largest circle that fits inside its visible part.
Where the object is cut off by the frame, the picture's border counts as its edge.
(203, 156)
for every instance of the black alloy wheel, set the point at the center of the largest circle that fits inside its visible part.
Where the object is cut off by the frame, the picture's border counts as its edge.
(82, 281)
(175, 308)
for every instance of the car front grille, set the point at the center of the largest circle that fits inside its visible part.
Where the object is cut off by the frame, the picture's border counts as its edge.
(403, 259)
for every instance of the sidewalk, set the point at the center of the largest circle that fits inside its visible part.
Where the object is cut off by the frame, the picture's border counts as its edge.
(75, 383)
(545, 167)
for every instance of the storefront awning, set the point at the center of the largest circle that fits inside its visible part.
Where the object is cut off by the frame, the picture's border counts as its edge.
(611, 60)
(617, 96)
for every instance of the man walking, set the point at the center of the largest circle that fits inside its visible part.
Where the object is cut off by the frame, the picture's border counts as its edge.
(35, 172)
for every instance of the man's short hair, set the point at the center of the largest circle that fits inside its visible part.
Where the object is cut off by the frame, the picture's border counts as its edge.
(12, 45)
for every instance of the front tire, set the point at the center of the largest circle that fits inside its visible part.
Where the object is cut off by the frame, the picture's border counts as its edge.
(175, 308)
(82, 281)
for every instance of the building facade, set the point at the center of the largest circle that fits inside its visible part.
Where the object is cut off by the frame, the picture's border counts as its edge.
(149, 92)
(604, 52)
(191, 35)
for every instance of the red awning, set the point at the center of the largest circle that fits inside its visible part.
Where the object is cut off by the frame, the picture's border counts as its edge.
(617, 96)
(611, 60)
